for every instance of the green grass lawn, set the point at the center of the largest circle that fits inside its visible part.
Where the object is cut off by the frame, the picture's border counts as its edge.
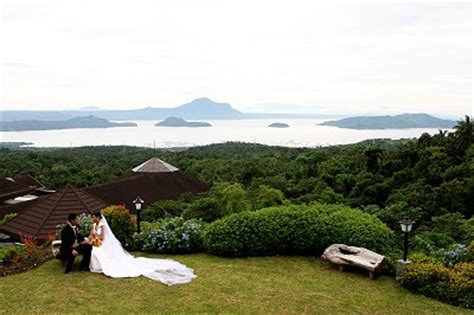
(252, 285)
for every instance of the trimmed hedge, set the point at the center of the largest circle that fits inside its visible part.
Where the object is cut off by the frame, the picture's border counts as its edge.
(300, 230)
(452, 285)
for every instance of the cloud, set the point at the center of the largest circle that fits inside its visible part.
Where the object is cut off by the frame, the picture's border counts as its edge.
(410, 57)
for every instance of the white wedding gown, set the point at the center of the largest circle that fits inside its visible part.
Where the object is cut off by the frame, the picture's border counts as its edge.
(114, 261)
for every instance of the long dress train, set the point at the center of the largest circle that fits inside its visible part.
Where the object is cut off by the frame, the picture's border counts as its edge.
(114, 261)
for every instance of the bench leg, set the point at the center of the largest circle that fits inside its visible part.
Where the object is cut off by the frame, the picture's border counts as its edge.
(371, 275)
(341, 268)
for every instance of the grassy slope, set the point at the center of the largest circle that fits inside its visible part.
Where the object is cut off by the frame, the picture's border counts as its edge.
(252, 285)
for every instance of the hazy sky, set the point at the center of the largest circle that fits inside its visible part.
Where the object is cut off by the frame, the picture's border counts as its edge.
(344, 58)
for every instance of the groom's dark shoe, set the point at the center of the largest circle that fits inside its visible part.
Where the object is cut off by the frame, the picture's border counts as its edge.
(84, 269)
(67, 271)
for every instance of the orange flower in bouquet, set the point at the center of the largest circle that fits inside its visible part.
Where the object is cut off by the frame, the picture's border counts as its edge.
(97, 242)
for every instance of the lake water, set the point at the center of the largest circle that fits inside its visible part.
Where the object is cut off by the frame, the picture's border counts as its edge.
(302, 133)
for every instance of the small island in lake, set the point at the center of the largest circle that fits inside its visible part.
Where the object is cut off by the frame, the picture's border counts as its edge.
(180, 122)
(73, 123)
(403, 121)
(278, 125)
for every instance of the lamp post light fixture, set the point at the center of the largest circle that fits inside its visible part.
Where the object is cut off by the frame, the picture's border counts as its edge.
(406, 225)
(138, 206)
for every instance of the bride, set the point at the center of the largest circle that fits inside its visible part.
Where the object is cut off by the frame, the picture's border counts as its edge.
(109, 257)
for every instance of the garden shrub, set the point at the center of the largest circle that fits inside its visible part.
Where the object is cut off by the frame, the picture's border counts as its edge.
(230, 198)
(170, 235)
(163, 209)
(30, 244)
(295, 229)
(354, 227)
(204, 208)
(6, 255)
(430, 243)
(454, 254)
(121, 222)
(85, 227)
(450, 224)
(451, 285)
(468, 229)
(266, 196)
(85, 224)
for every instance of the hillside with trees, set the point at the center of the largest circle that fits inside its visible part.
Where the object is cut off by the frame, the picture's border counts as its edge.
(430, 179)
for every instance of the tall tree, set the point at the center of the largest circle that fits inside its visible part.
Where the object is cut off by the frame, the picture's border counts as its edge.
(373, 155)
(464, 134)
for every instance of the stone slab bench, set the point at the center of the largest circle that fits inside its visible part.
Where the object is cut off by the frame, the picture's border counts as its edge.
(344, 255)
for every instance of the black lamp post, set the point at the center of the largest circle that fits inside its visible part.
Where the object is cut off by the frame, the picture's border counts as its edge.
(406, 225)
(138, 205)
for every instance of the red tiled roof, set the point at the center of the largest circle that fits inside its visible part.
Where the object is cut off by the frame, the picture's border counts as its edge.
(42, 217)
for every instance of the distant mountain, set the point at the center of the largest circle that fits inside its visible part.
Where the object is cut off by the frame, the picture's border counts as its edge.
(403, 121)
(204, 108)
(78, 122)
(278, 125)
(201, 108)
(180, 122)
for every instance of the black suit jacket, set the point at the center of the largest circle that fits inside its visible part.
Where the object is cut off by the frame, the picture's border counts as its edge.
(68, 238)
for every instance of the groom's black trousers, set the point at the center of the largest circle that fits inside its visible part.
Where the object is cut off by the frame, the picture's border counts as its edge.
(84, 250)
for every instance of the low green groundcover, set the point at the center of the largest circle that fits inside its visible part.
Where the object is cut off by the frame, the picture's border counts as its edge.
(255, 285)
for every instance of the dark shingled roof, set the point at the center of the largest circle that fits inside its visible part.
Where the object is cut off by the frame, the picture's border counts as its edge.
(9, 188)
(17, 207)
(42, 217)
(28, 180)
(152, 181)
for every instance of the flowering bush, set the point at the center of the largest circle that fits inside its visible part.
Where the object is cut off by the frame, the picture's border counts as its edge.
(173, 235)
(452, 285)
(48, 240)
(31, 245)
(121, 222)
(454, 254)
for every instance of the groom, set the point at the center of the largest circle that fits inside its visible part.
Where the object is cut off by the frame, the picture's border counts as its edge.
(74, 244)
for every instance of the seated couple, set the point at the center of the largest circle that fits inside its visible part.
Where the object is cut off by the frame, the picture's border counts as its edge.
(103, 253)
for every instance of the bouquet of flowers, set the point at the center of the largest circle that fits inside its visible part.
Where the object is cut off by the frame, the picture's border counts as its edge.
(96, 241)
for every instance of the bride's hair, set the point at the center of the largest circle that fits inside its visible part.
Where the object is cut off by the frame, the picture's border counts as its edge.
(97, 214)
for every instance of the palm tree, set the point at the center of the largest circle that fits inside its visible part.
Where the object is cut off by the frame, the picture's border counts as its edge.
(439, 139)
(464, 134)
